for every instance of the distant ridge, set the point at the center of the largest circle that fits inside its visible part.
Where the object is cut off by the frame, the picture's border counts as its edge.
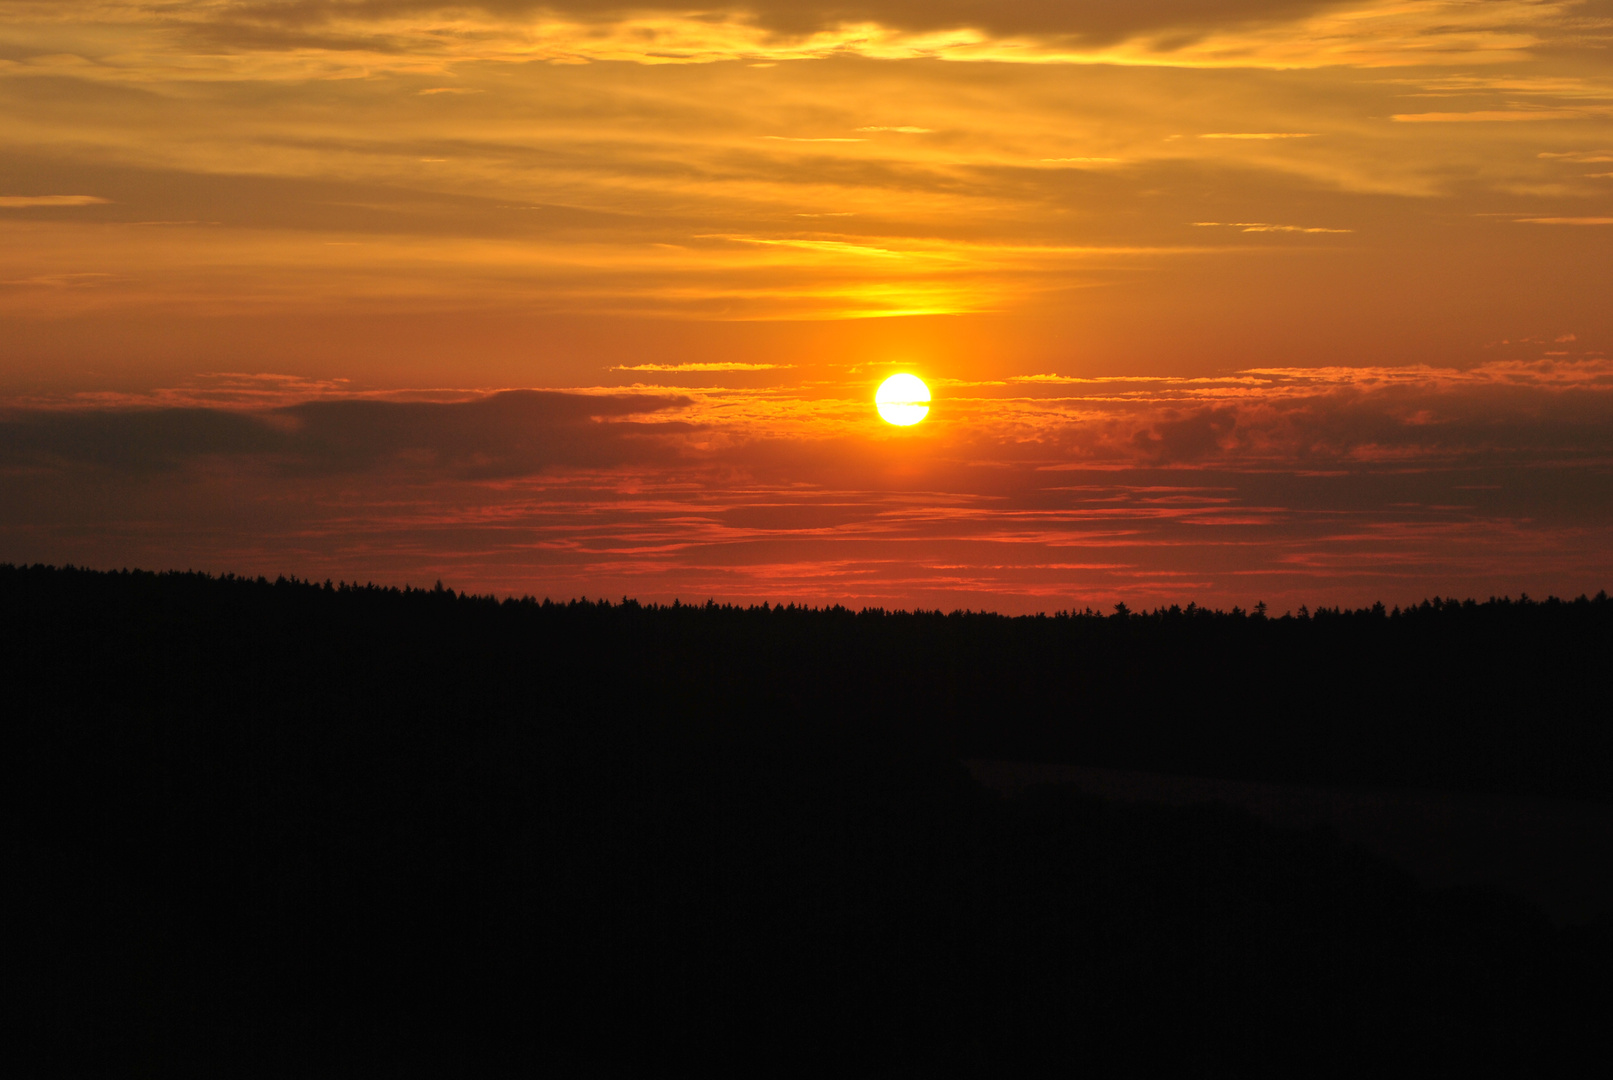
(1122, 610)
(1498, 695)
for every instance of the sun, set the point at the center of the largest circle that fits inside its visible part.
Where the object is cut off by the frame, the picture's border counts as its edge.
(903, 400)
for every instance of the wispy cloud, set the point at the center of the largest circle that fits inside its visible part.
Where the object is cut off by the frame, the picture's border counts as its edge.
(902, 130)
(1566, 220)
(1052, 378)
(1487, 116)
(1510, 84)
(67, 280)
(299, 41)
(1260, 135)
(51, 200)
(716, 365)
(1584, 373)
(1263, 226)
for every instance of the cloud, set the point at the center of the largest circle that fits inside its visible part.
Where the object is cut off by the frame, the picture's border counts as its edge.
(1314, 481)
(1186, 438)
(1485, 116)
(724, 365)
(903, 130)
(1557, 86)
(135, 441)
(1052, 378)
(512, 433)
(1566, 220)
(1260, 135)
(67, 280)
(1092, 20)
(51, 200)
(1276, 417)
(303, 39)
(1262, 226)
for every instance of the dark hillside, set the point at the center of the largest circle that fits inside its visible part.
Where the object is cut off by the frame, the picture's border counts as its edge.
(1507, 696)
(290, 828)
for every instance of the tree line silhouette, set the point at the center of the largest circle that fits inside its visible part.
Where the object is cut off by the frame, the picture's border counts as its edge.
(280, 825)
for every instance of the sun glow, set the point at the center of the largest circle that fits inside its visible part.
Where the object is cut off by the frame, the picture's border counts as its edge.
(903, 400)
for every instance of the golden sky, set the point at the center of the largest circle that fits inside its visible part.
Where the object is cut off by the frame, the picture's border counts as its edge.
(1220, 300)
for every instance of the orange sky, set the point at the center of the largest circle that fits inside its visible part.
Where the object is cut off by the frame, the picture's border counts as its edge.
(1220, 300)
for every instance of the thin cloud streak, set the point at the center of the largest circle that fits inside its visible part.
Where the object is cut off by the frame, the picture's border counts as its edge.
(1493, 116)
(719, 365)
(20, 201)
(1262, 226)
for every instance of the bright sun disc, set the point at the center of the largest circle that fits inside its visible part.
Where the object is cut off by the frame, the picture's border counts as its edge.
(903, 400)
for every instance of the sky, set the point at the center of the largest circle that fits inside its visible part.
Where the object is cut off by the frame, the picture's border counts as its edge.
(1221, 301)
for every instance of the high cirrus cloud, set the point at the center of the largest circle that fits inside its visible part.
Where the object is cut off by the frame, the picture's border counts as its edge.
(328, 39)
(1094, 20)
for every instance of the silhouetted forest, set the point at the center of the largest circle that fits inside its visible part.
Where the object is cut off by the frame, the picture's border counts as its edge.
(285, 827)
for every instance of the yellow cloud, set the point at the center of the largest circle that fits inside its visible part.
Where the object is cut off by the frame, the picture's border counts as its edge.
(51, 200)
(170, 42)
(1263, 226)
(715, 366)
(1484, 116)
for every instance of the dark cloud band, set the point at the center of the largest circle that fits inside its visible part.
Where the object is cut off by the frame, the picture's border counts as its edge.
(511, 433)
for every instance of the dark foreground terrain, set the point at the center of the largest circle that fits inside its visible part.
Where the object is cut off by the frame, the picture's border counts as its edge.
(287, 829)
